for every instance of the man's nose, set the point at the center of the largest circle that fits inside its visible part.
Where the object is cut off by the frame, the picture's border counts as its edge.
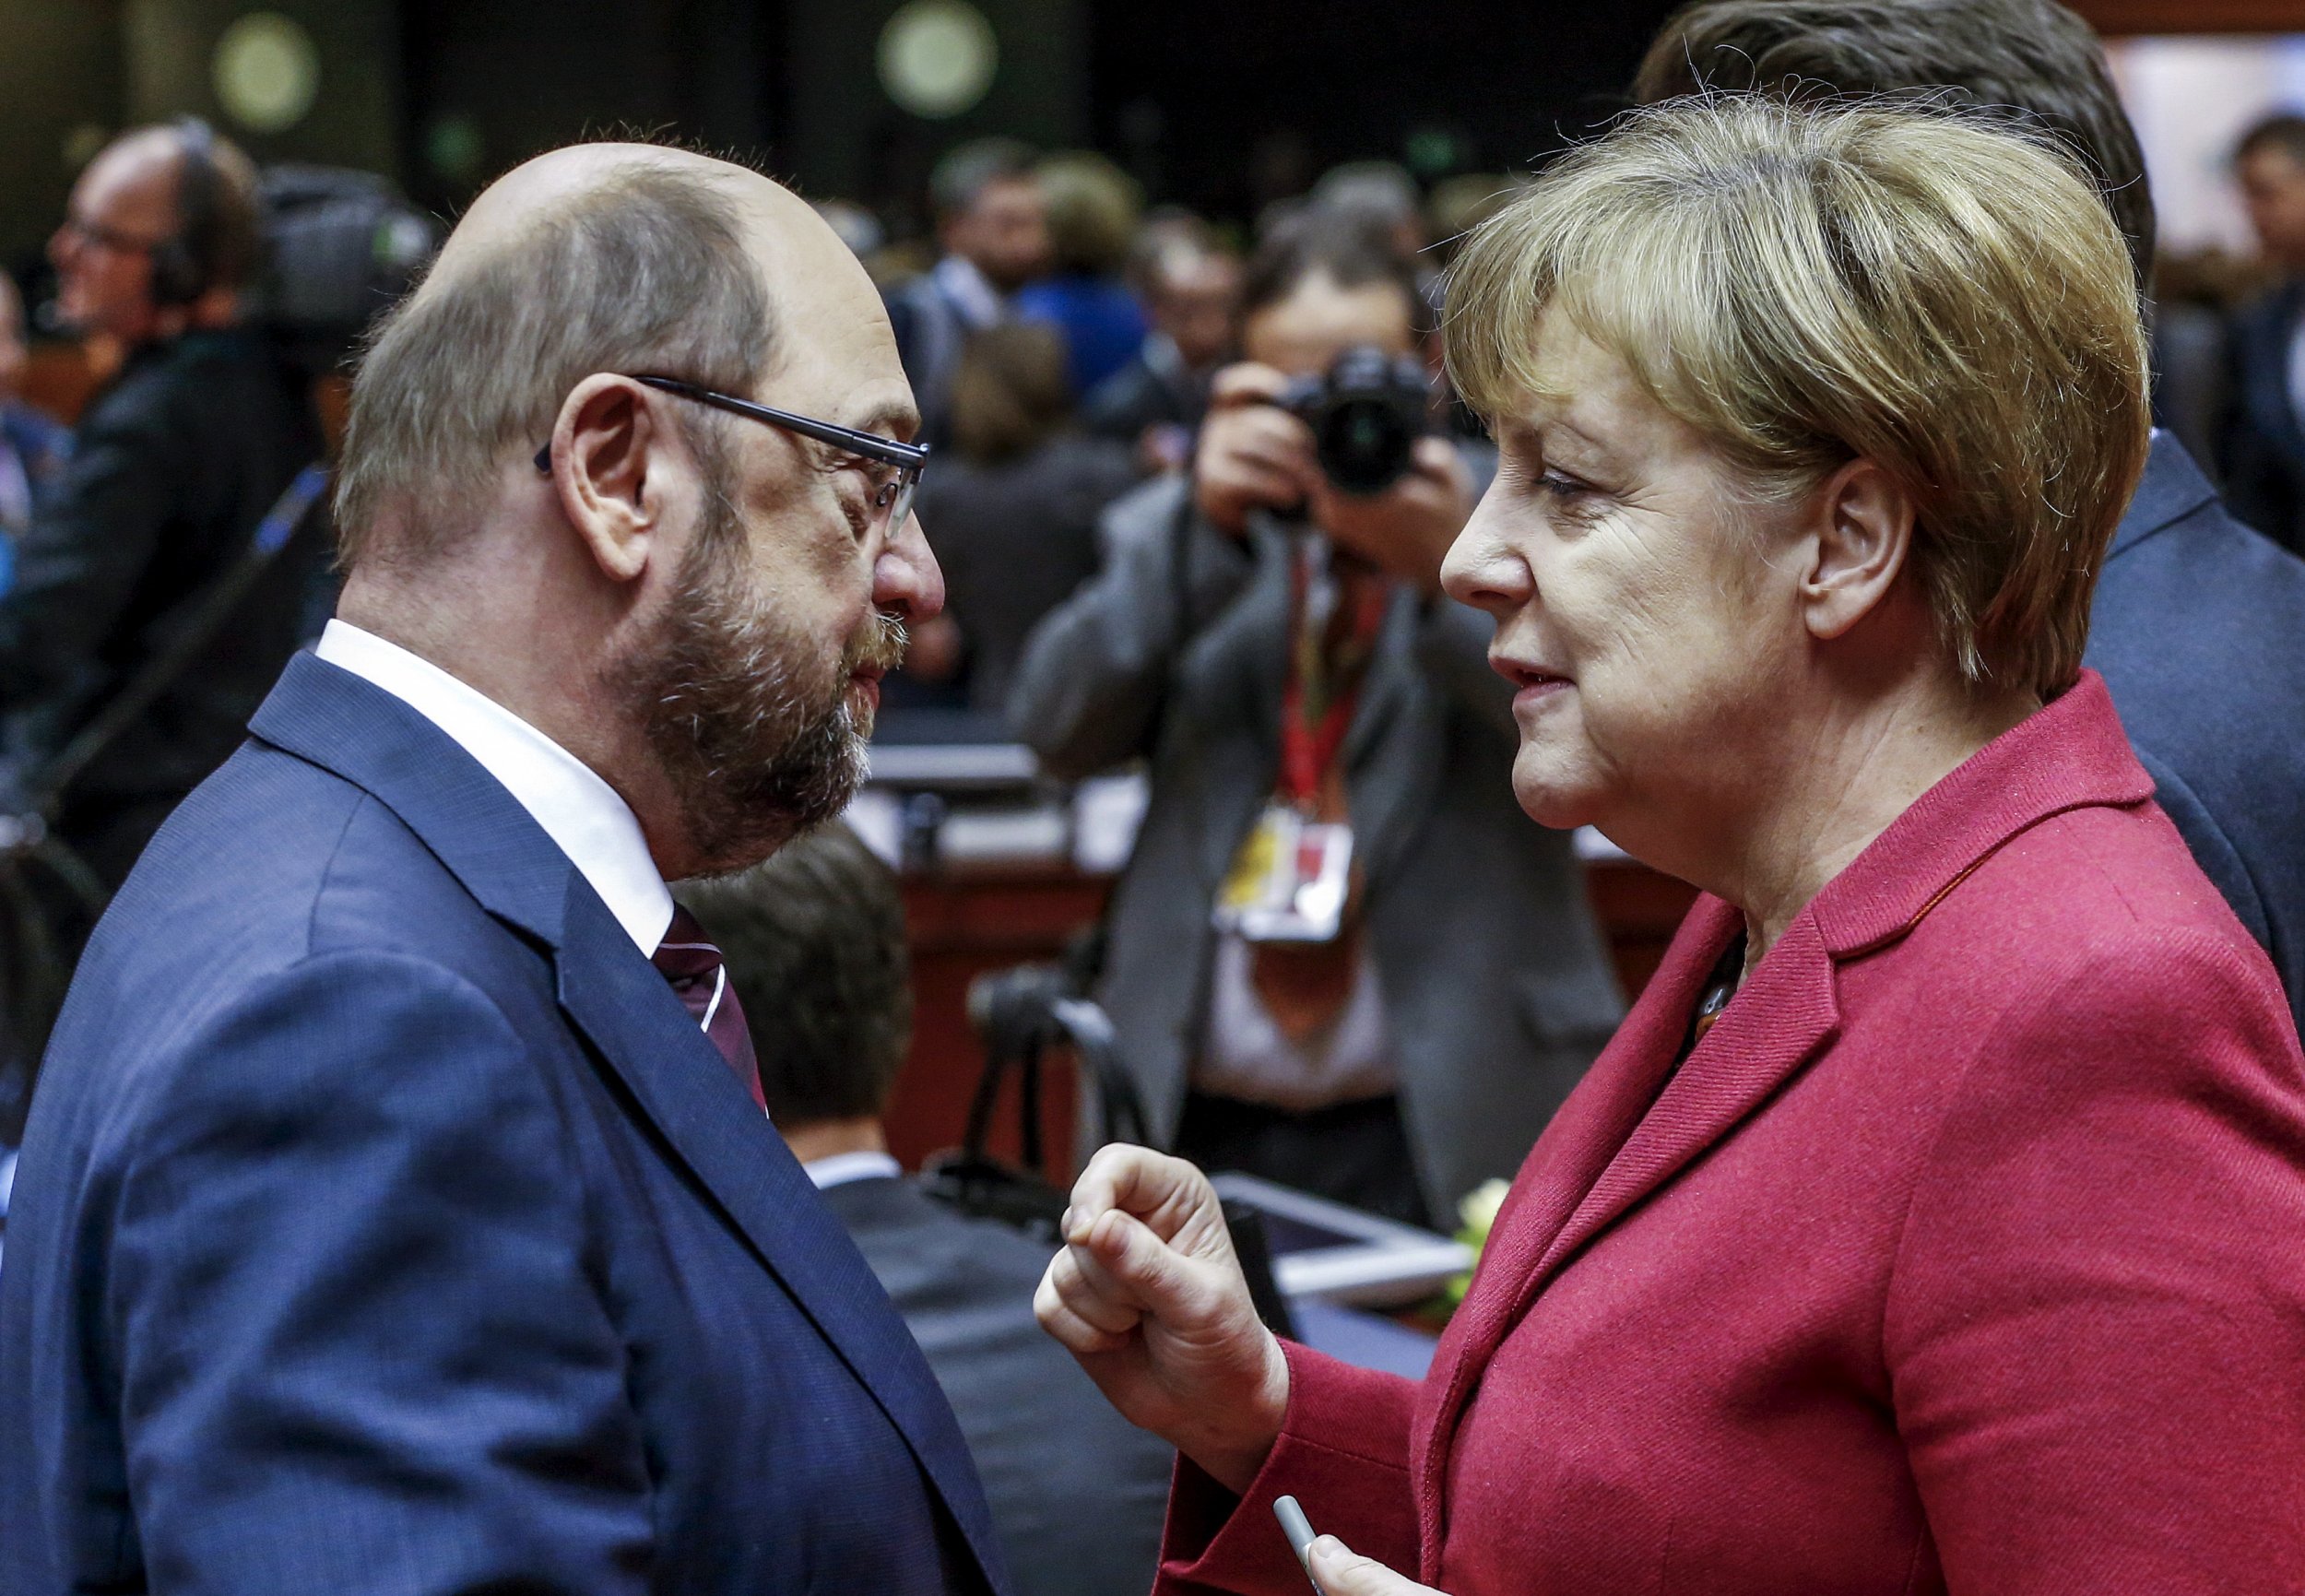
(906, 578)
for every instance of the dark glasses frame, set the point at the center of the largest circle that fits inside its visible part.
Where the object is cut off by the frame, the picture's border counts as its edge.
(895, 498)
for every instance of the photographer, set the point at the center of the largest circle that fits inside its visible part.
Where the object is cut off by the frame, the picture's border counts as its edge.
(1338, 959)
(175, 460)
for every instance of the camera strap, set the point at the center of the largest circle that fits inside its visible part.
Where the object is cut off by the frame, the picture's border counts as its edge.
(1329, 654)
(1290, 880)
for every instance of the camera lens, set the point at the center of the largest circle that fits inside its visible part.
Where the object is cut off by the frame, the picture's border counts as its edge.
(1365, 443)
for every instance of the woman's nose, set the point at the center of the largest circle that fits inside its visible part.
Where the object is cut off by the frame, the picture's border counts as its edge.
(1483, 569)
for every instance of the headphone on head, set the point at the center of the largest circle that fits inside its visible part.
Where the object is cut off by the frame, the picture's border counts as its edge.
(183, 266)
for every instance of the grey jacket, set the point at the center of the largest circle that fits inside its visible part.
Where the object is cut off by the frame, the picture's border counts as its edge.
(1078, 1493)
(1497, 987)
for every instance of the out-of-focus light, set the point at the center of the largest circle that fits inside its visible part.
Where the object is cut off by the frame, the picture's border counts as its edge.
(455, 147)
(267, 71)
(938, 57)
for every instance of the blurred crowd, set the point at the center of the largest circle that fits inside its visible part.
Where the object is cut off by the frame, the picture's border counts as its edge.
(1061, 337)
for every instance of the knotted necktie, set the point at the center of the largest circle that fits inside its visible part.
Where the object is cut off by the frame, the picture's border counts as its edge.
(687, 960)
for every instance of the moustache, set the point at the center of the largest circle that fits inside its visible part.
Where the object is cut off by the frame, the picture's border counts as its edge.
(881, 647)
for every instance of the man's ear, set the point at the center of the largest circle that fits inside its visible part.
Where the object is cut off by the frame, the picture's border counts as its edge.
(609, 463)
(1861, 535)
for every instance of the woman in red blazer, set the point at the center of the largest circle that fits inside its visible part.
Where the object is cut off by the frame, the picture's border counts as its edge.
(1936, 1222)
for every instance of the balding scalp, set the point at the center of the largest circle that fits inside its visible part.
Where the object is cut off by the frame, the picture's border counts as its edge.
(600, 263)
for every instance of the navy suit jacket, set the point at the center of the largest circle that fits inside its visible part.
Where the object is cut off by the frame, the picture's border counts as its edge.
(2199, 630)
(385, 1223)
(2263, 444)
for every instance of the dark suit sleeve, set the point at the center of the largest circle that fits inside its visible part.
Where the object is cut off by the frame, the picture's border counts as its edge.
(359, 1344)
(2096, 1324)
(80, 560)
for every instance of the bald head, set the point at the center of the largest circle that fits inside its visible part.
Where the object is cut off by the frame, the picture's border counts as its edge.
(600, 257)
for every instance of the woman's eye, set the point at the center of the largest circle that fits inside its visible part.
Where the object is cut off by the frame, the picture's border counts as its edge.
(1561, 486)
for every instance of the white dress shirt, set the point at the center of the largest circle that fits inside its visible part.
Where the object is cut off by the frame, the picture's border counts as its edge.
(578, 811)
(840, 1168)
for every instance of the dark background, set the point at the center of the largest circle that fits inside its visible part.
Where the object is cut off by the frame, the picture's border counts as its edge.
(1216, 103)
(1212, 103)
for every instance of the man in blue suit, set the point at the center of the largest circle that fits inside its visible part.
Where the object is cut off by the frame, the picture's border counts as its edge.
(397, 1212)
(2199, 624)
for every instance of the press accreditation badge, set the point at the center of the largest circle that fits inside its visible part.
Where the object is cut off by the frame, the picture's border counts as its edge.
(1289, 880)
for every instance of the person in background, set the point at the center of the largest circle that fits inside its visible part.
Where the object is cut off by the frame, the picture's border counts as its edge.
(992, 224)
(1015, 503)
(1381, 196)
(33, 448)
(1093, 208)
(1191, 283)
(1280, 652)
(175, 461)
(2265, 432)
(814, 941)
(2199, 623)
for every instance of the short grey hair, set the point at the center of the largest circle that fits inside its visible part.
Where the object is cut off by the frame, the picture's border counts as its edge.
(645, 270)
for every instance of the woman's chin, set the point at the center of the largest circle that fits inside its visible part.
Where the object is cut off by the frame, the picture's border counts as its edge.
(1549, 801)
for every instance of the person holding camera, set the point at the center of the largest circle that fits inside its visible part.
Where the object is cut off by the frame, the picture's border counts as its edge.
(1337, 959)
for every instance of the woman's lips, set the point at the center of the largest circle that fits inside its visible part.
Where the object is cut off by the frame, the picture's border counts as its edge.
(1533, 683)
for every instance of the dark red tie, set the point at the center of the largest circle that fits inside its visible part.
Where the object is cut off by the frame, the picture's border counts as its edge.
(689, 961)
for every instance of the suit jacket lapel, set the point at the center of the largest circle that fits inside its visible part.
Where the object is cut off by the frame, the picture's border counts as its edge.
(618, 999)
(1773, 1027)
(1556, 1185)
(620, 1002)
(1618, 1140)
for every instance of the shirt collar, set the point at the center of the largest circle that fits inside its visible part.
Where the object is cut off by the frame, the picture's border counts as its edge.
(840, 1168)
(578, 811)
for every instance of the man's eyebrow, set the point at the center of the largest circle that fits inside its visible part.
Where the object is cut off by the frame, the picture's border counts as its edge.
(896, 420)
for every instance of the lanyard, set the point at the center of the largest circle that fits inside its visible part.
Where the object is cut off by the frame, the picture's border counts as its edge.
(1324, 680)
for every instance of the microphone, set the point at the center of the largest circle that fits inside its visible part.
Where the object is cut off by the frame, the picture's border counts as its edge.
(48, 318)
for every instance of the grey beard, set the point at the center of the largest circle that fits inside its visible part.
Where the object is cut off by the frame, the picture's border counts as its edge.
(755, 750)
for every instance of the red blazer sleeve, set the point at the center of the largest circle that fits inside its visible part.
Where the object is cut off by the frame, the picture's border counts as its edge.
(2096, 1322)
(1343, 1453)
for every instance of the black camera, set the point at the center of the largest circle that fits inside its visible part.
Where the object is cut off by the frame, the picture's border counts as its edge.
(1367, 414)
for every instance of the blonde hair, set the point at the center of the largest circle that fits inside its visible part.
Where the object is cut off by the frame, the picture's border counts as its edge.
(1806, 286)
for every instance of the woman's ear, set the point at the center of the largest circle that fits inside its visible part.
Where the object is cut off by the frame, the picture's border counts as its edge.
(608, 462)
(1863, 536)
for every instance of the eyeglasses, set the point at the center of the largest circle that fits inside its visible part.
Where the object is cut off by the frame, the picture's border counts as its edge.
(891, 501)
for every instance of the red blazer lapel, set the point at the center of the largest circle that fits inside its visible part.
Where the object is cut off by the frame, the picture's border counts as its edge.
(1774, 1026)
(1588, 1132)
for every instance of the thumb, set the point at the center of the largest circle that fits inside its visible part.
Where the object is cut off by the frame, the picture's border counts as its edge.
(1138, 1260)
(1340, 1571)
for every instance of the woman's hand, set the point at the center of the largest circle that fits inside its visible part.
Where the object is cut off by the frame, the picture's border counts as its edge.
(1343, 1572)
(1149, 1296)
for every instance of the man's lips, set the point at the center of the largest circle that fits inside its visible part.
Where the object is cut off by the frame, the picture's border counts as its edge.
(866, 679)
